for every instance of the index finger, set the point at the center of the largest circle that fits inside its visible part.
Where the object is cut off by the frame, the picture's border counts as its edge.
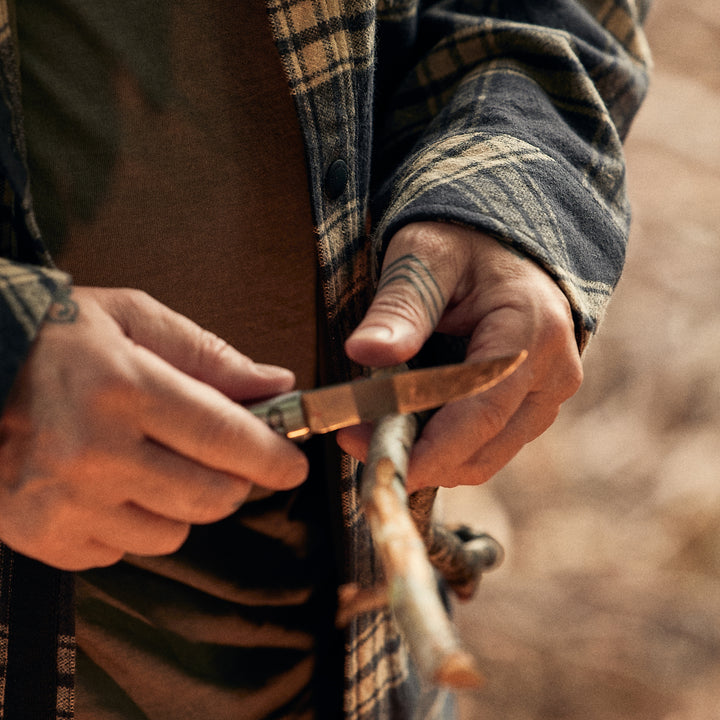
(454, 434)
(199, 422)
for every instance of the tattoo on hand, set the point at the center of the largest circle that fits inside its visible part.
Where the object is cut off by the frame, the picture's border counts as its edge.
(411, 270)
(64, 309)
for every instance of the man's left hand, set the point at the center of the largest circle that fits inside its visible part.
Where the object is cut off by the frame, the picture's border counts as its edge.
(444, 277)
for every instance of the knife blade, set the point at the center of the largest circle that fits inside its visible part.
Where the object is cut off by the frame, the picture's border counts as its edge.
(301, 413)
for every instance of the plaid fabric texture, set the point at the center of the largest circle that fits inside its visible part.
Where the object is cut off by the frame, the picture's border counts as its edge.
(504, 115)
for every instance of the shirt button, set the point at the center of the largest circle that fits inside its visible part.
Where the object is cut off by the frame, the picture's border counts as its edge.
(336, 179)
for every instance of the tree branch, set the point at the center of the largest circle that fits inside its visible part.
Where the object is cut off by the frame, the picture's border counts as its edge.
(412, 585)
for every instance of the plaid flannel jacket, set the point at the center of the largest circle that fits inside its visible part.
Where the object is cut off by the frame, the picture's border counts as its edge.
(505, 115)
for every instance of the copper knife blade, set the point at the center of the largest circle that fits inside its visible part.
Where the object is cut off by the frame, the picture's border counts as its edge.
(299, 414)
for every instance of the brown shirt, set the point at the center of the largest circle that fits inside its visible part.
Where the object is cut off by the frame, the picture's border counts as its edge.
(207, 203)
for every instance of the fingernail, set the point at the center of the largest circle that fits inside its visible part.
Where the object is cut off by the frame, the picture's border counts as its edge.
(274, 372)
(373, 333)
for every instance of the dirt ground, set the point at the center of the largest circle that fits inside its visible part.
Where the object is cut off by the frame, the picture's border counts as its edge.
(608, 604)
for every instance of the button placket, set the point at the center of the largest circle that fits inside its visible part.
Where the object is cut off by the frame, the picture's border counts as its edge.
(336, 179)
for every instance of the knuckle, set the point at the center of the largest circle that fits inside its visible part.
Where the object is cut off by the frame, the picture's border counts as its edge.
(111, 384)
(558, 341)
(134, 300)
(558, 324)
(130, 308)
(494, 418)
(127, 304)
(211, 351)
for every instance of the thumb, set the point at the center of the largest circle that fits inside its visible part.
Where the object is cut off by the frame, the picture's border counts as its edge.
(406, 309)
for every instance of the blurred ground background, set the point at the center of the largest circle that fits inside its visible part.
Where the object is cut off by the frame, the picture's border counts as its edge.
(608, 604)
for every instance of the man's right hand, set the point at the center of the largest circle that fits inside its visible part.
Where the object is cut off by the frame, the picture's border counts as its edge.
(124, 428)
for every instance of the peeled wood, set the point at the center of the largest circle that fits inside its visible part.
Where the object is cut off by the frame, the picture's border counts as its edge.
(411, 582)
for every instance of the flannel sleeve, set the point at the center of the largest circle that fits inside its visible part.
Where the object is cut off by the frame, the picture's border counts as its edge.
(509, 117)
(28, 281)
(26, 293)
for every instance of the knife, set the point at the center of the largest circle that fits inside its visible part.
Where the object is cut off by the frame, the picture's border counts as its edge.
(302, 413)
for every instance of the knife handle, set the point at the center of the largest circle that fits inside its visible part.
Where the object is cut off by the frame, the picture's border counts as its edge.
(284, 414)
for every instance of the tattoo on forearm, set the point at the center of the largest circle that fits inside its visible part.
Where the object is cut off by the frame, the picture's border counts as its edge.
(411, 270)
(64, 309)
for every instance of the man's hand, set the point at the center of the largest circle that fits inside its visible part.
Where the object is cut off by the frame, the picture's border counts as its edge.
(461, 282)
(121, 431)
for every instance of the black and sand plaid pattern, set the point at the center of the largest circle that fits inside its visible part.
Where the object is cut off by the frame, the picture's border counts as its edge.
(506, 116)
(327, 49)
(501, 114)
(26, 293)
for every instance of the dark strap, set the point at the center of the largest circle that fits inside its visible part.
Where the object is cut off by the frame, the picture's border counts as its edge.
(40, 619)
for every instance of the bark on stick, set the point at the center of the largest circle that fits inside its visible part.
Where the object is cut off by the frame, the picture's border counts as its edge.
(412, 585)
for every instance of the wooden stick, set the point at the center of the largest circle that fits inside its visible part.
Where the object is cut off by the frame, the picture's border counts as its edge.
(412, 585)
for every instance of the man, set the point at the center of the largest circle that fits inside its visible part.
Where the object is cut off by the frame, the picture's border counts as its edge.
(472, 149)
